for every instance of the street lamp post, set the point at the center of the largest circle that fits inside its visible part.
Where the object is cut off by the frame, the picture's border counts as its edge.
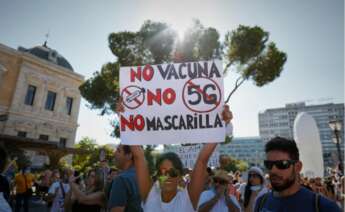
(336, 128)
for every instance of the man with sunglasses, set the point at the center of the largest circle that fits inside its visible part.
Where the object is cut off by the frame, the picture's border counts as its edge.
(218, 198)
(283, 164)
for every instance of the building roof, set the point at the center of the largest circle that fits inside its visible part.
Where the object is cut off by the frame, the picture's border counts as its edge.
(48, 54)
(36, 144)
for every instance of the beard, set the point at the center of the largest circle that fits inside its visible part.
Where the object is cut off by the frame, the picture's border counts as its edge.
(284, 183)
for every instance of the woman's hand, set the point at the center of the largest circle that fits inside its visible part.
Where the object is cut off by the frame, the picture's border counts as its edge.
(119, 106)
(137, 152)
(227, 114)
(142, 171)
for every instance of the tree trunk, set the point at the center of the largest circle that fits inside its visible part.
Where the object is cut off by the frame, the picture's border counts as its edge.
(239, 82)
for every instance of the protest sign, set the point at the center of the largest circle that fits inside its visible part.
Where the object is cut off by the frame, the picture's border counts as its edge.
(189, 155)
(172, 103)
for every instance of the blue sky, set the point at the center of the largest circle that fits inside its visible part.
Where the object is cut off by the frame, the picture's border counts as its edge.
(311, 32)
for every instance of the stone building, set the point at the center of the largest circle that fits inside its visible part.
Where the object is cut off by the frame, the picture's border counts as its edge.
(39, 95)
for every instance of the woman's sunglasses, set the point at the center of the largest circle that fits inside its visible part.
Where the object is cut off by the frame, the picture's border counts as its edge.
(253, 175)
(171, 173)
(280, 164)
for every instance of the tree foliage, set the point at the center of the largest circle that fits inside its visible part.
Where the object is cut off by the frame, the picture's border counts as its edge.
(102, 89)
(82, 162)
(199, 43)
(237, 165)
(17, 160)
(247, 48)
(22, 160)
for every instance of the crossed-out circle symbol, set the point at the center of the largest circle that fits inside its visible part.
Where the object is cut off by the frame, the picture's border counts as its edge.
(201, 95)
(133, 96)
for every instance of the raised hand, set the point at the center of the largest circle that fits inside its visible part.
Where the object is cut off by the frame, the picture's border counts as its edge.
(227, 114)
(119, 106)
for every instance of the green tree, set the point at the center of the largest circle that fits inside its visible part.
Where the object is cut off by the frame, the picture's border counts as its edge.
(102, 89)
(237, 165)
(199, 43)
(242, 165)
(247, 48)
(91, 157)
(18, 154)
(82, 161)
(109, 154)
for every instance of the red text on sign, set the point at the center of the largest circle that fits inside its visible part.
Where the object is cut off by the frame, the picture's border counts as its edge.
(168, 96)
(134, 123)
(146, 73)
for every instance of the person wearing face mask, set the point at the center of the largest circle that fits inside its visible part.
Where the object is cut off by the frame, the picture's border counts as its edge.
(217, 198)
(58, 190)
(254, 188)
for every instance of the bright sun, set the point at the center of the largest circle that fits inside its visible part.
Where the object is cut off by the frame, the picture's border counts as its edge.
(180, 28)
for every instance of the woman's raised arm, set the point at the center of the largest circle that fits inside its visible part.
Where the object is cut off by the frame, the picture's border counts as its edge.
(199, 173)
(142, 171)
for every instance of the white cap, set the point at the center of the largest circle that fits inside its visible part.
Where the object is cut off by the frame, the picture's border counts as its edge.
(258, 171)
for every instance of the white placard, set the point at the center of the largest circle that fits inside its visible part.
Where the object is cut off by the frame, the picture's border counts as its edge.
(172, 103)
(189, 154)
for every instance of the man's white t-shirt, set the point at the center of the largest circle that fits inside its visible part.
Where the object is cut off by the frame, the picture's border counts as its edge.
(180, 203)
(220, 206)
(58, 201)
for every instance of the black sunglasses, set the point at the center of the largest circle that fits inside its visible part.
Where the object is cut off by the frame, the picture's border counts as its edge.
(280, 164)
(253, 175)
(171, 173)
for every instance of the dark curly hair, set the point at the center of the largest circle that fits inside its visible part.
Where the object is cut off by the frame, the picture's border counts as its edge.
(173, 158)
(127, 150)
(284, 145)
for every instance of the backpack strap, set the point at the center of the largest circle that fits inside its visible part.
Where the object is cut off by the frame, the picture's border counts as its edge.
(263, 201)
(317, 202)
(109, 189)
(62, 190)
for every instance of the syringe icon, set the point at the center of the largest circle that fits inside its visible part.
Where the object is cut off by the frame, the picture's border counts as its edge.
(134, 95)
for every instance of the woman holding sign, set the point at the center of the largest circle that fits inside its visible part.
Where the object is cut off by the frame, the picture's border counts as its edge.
(165, 194)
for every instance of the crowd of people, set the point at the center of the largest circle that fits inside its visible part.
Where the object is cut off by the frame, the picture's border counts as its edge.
(129, 187)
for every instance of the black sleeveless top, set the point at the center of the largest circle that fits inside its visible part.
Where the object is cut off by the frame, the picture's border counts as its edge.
(77, 207)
